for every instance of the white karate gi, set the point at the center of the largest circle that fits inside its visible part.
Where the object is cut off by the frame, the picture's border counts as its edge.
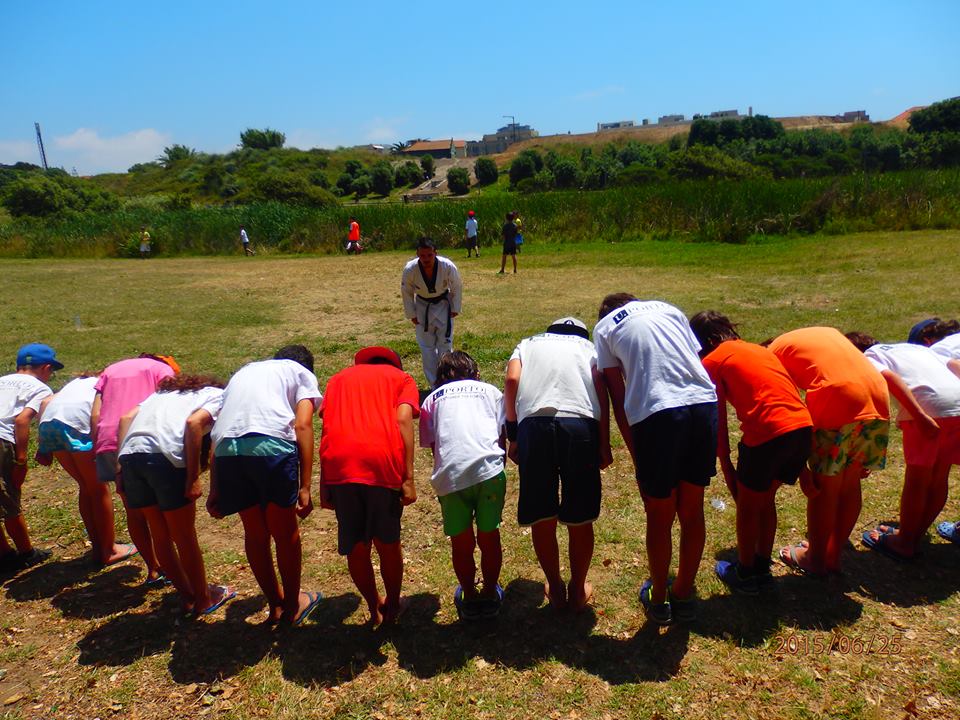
(435, 327)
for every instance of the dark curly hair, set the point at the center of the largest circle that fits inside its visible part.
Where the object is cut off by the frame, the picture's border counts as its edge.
(711, 329)
(456, 365)
(937, 331)
(188, 383)
(297, 353)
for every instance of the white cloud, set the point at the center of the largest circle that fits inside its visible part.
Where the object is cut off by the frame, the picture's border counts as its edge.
(308, 139)
(90, 153)
(14, 151)
(383, 130)
(600, 92)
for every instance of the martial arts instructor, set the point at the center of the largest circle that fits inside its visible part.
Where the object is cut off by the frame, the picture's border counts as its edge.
(432, 292)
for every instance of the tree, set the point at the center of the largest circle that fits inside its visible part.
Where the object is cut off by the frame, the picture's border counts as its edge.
(428, 165)
(702, 132)
(34, 195)
(353, 168)
(398, 147)
(565, 174)
(361, 186)
(265, 139)
(174, 154)
(527, 164)
(344, 183)
(486, 171)
(408, 174)
(381, 178)
(458, 180)
(943, 116)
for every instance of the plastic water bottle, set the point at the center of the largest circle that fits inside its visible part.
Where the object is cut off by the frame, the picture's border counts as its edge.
(718, 504)
(76, 322)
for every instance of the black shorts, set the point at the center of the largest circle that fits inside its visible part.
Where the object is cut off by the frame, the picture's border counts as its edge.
(244, 481)
(472, 241)
(782, 459)
(559, 459)
(674, 445)
(150, 479)
(509, 247)
(365, 513)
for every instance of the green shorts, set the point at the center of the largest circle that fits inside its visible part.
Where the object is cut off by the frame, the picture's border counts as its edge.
(863, 442)
(483, 501)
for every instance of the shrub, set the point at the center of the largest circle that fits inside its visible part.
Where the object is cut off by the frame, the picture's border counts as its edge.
(174, 154)
(943, 116)
(292, 189)
(486, 171)
(637, 174)
(381, 178)
(428, 165)
(699, 162)
(458, 180)
(34, 195)
(527, 164)
(262, 139)
(320, 179)
(566, 175)
(344, 183)
(361, 185)
(353, 168)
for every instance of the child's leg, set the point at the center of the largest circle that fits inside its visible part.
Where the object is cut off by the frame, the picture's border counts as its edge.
(361, 572)
(181, 524)
(140, 535)
(917, 483)
(391, 570)
(579, 590)
(285, 530)
(256, 544)
(768, 523)
(821, 518)
(491, 560)
(544, 534)
(937, 493)
(464, 566)
(5, 547)
(514, 262)
(752, 519)
(660, 515)
(95, 495)
(693, 537)
(84, 501)
(16, 528)
(503, 262)
(849, 503)
(167, 555)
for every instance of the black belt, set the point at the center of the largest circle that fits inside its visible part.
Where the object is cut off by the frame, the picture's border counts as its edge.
(445, 297)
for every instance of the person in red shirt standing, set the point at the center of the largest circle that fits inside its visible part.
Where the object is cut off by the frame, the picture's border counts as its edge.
(366, 469)
(353, 238)
(777, 436)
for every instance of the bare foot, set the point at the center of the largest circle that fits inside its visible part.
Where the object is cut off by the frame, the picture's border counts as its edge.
(121, 552)
(578, 599)
(217, 596)
(390, 613)
(558, 598)
(274, 613)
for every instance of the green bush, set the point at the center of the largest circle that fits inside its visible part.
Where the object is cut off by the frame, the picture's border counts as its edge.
(408, 174)
(486, 171)
(381, 178)
(701, 162)
(361, 185)
(527, 164)
(265, 139)
(943, 116)
(458, 180)
(428, 165)
(293, 189)
(34, 195)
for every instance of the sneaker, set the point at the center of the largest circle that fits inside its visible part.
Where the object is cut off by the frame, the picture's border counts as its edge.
(467, 610)
(34, 557)
(490, 607)
(730, 574)
(658, 613)
(761, 567)
(683, 610)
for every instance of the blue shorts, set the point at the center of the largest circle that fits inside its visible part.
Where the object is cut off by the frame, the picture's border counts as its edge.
(150, 479)
(55, 436)
(559, 463)
(244, 481)
(674, 445)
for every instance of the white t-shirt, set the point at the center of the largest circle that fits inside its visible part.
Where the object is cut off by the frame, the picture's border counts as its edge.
(936, 389)
(948, 348)
(556, 377)
(73, 404)
(461, 421)
(18, 391)
(160, 423)
(243, 237)
(262, 398)
(653, 343)
(471, 227)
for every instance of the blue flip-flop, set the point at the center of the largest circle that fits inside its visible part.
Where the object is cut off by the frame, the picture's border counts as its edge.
(315, 598)
(949, 531)
(227, 596)
(879, 544)
(160, 580)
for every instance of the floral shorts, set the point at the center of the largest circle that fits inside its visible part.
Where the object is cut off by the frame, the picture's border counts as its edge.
(863, 442)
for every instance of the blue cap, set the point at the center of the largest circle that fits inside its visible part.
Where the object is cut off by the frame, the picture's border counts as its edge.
(914, 336)
(38, 354)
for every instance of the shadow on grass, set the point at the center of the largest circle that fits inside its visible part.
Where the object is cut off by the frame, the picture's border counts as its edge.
(105, 594)
(929, 579)
(131, 636)
(48, 579)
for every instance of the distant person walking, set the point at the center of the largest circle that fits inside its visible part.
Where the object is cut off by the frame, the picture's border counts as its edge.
(509, 233)
(519, 223)
(245, 241)
(471, 233)
(432, 292)
(353, 238)
(144, 243)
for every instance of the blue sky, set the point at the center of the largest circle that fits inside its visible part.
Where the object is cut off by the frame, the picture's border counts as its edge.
(112, 83)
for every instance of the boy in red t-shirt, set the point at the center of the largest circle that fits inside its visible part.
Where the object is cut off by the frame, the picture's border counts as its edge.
(366, 469)
(774, 448)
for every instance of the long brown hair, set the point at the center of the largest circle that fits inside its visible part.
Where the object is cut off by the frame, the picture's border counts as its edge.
(188, 383)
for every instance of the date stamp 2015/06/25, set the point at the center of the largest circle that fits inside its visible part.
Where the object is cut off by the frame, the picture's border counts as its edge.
(798, 643)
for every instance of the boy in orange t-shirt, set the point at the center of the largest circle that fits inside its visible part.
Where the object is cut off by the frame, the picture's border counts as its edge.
(366, 469)
(848, 402)
(773, 450)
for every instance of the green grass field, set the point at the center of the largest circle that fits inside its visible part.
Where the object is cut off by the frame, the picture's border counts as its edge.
(881, 641)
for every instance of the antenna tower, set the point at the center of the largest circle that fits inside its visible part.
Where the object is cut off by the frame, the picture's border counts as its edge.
(43, 154)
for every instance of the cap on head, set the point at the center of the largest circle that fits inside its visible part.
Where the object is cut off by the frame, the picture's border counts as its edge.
(569, 326)
(378, 355)
(916, 331)
(35, 354)
(471, 213)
